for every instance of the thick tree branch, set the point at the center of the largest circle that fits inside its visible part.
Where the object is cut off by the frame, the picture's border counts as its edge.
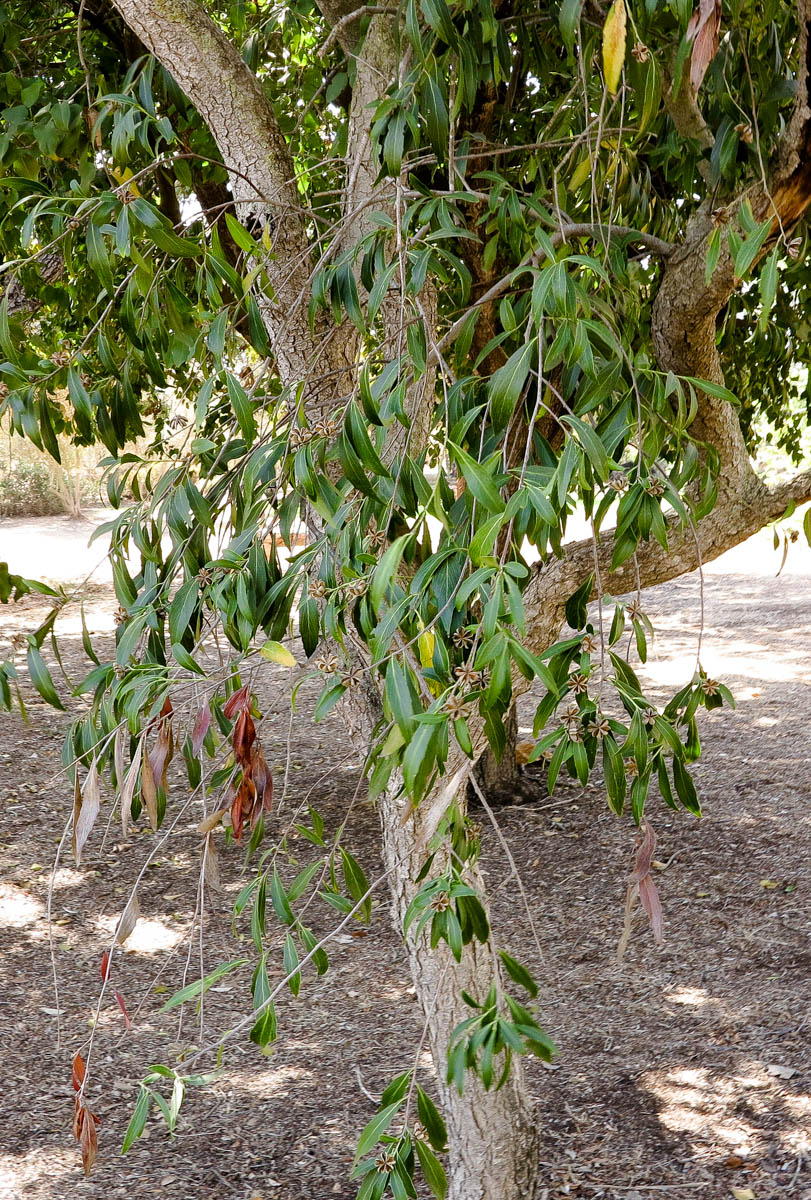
(231, 101)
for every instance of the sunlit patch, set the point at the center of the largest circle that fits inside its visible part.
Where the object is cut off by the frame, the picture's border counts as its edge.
(687, 995)
(271, 1081)
(148, 937)
(17, 908)
(699, 1104)
(67, 877)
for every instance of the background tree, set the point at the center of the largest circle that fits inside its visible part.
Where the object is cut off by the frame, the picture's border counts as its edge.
(424, 278)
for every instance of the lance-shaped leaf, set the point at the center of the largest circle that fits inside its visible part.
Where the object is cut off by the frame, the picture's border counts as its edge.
(88, 811)
(614, 45)
(703, 29)
(128, 788)
(507, 384)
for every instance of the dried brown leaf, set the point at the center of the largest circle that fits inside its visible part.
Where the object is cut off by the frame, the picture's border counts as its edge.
(211, 821)
(149, 793)
(129, 919)
(704, 29)
(88, 1139)
(211, 865)
(91, 803)
(128, 788)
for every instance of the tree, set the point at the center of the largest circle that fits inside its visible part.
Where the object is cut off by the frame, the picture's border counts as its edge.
(421, 278)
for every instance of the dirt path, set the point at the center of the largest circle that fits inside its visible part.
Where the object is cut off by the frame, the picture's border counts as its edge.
(683, 1072)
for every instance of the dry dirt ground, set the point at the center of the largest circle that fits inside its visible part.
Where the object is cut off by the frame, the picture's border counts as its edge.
(683, 1072)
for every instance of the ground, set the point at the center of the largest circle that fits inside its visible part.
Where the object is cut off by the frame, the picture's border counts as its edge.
(683, 1071)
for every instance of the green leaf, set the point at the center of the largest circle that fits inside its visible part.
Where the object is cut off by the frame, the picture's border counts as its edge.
(375, 1129)
(594, 448)
(751, 248)
(507, 384)
(568, 19)
(242, 406)
(518, 973)
(432, 1120)
(577, 605)
(685, 788)
(41, 678)
(768, 288)
(202, 985)
(386, 569)
(478, 479)
(138, 1119)
(182, 608)
(98, 258)
(432, 1169)
(356, 883)
(279, 898)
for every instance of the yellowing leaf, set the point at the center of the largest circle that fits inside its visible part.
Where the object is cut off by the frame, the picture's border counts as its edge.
(769, 884)
(743, 1194)
(614, 45)
(580, 173)
(275, 652)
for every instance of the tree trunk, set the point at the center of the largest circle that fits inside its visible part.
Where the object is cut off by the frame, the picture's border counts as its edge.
(500, 779)
(492, 1135)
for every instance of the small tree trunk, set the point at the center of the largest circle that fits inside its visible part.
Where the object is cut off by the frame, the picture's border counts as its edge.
(499, 778)
(492, 1137)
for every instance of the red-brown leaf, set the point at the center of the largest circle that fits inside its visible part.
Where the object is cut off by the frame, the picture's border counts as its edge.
(704, 29)
(644, 854)
(105, 967)
(162, 751)
(201, 724)
(262, 778)
(123, 1007)
(236, 703)
(88, 1139)
(236, 816)
(649, 898)
(244, 737)
(78, 1071)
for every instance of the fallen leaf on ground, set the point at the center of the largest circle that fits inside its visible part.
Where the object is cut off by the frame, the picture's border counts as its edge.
(781, 1072)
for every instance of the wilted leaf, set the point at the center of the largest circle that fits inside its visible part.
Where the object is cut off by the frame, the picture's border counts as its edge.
(614, 45)
(236, 703)
(201, 724)
(123, 1007)
(78, 1071)
(162, 752)
(88, 1138)
(780, 1072)
(211, 821)
(149, 793)
(703, 30)
(211, 865)
(129, 919)
(89, 810)
(128, 788)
